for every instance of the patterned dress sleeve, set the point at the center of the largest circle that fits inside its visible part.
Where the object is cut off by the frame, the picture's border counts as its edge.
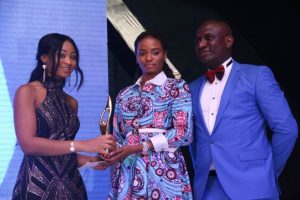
(181, 132)
(117, 122)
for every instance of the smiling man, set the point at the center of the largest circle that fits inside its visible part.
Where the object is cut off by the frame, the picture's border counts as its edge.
(233, 104)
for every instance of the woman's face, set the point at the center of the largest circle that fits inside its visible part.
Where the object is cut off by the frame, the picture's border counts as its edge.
(67, 61)
(150, 56)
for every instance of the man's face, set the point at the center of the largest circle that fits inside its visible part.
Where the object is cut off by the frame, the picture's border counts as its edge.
(213, 43)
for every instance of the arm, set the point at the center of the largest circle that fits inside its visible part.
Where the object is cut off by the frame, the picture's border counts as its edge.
(278, 115)
(181, 133)
(25, 127)
(124, 149)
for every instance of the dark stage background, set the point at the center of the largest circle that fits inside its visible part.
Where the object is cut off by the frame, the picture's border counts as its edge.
(265, 33)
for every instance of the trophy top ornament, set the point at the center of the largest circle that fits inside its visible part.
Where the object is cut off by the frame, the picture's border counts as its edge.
(105, 117)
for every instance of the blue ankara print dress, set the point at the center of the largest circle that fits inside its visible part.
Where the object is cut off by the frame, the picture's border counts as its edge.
(158, 175)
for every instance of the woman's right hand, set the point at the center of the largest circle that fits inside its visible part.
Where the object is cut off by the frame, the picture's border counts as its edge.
(98, 144)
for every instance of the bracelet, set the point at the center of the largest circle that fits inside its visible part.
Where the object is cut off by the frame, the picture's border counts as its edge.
(135, 131)
(145, 148)
(118, 145)
(72, 147)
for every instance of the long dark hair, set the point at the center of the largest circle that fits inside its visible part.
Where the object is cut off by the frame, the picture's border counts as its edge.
(163, 43)
(51, 45)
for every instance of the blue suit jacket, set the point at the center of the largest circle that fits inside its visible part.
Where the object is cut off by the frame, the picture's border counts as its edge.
(247, 163)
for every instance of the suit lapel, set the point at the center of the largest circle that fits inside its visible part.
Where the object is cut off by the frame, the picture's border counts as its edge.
(229, 88)
(196, 100)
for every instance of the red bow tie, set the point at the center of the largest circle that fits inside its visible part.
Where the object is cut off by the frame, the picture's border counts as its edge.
(218, 71)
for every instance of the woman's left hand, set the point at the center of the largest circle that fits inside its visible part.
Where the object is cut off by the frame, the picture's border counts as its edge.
(122, 153)
(82, 159)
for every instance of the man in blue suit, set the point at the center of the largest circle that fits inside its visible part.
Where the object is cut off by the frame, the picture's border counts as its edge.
(232, 107)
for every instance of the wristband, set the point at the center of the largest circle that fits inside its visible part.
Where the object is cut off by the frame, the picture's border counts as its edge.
(145, 148)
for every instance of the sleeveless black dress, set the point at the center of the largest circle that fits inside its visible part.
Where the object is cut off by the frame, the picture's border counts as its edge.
(52, 177)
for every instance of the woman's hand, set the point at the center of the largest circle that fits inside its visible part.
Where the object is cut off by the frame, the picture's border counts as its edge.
(82, 159)
(123, 152)
(97, 145)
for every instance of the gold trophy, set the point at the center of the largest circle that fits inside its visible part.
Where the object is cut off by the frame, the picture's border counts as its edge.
(105, 118)
(104, 129)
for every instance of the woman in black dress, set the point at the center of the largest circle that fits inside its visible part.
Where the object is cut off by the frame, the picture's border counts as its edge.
(46, 123)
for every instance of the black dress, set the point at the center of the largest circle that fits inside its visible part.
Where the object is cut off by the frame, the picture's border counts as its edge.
(52, 177)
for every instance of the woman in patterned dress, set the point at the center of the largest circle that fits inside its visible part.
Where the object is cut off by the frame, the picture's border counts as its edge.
(46, 123)
(152, 120)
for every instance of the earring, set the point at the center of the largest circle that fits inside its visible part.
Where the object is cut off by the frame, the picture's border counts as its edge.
(44, 72)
